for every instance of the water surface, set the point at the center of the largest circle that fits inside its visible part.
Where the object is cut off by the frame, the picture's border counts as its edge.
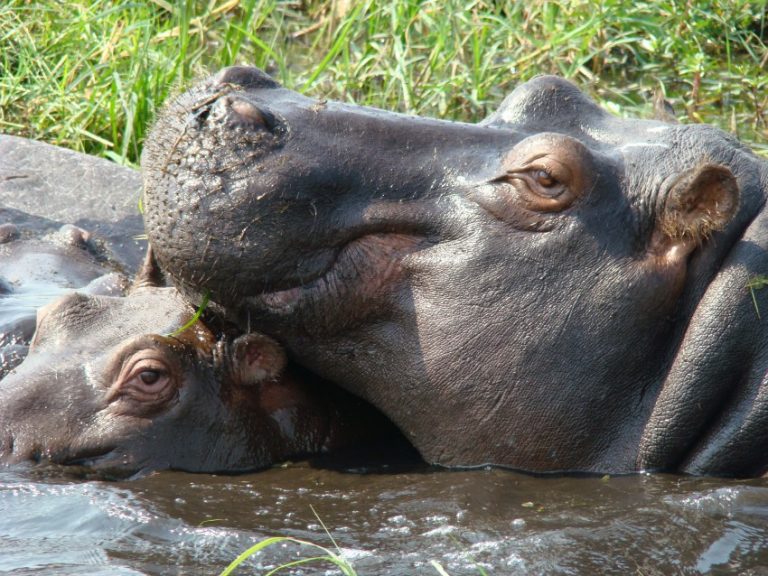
(386, 524)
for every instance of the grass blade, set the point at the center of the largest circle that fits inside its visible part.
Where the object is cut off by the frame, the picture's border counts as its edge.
(195, 316)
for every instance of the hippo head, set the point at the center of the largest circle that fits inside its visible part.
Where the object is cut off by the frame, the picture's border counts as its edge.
(513, 292)
(112, 383)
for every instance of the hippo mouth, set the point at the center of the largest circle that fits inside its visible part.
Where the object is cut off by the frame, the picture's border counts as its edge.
(362, 271)
(86, 457)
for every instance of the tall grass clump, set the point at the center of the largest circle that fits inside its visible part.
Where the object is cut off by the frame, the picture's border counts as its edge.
(90, 75)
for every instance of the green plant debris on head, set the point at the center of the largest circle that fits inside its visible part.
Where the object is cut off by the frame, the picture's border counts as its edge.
(195, 316)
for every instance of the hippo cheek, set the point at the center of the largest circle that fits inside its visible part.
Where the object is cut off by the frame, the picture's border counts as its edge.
(366, 273)
(203, 445)
(197, 433)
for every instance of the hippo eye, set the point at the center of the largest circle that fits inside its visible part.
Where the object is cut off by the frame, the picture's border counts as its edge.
(146, 383)
(543, 183)
(150, 377)
(147, 377)
(542, 174)
(544, 178)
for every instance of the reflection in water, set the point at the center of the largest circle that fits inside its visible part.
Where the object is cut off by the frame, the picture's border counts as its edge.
(18, 312)
(738, 539)
(17, 320)
(33, 283)
(506, 523)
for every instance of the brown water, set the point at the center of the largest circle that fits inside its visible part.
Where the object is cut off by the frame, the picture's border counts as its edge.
(386, 524)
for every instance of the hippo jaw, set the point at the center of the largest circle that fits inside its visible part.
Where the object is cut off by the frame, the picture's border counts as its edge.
(539, 239)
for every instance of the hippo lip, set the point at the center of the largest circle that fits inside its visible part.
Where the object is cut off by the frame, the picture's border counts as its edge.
(361, 270)
(87, 458)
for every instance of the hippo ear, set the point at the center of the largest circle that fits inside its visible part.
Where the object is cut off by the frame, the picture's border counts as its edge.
(149, 275)
(256, 358)
(702, 201)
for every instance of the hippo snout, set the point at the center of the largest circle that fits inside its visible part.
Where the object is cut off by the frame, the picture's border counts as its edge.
(239, 156)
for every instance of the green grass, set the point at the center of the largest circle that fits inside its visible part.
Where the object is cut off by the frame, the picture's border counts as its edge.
(756, 283)
(327, 556)
(90, 75)
(195, 317)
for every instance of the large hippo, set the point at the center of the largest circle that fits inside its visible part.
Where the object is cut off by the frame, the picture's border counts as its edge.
(118, 385)
(552, 289)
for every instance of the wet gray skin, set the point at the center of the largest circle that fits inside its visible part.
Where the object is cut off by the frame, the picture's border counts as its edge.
(552, 289)
(39, 263)
(44, 186)
(107, 385)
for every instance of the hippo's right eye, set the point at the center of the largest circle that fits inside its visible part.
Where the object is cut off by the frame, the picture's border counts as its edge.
(542, 187)
(545, 173)
(147, 379)
(543, 183)
(150, 377)
(146, 383)
(544, 178)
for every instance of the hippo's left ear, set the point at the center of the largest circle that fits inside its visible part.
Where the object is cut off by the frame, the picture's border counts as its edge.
(703, 200)
(149, 274)
(256, 358)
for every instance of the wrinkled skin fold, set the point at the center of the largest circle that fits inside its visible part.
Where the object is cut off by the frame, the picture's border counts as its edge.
(552, 289)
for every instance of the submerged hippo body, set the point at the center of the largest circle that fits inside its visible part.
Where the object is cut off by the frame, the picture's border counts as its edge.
(111, 383)
(43, 186)
(67, 221)
(38, 264)
(552, 289)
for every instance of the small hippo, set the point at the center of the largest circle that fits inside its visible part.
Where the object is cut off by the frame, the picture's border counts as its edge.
(115, 384)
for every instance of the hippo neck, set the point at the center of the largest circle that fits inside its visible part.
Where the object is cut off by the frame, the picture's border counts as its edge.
(715, 370)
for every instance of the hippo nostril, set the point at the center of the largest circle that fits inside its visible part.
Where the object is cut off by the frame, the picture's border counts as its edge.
(246, 76)
(201, 114)
(8, 232)
(248, 112)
